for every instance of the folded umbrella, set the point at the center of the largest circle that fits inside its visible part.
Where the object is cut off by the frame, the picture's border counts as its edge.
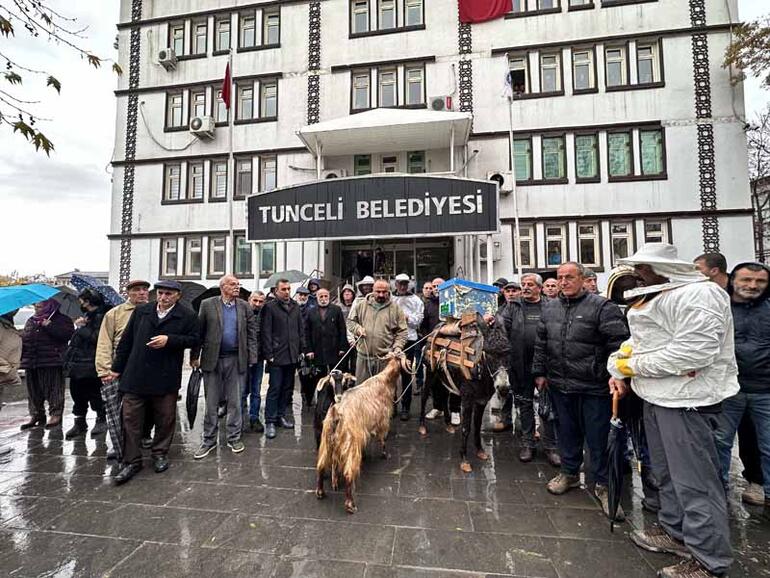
(616, 456)
(111, 296)
(193, 390)
(69, 304)
(17, 296)
(112, 409)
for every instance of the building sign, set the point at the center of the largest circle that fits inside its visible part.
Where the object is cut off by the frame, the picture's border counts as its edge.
(374, 207)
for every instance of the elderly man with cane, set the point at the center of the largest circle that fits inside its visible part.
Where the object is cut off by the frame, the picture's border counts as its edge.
(681, 361)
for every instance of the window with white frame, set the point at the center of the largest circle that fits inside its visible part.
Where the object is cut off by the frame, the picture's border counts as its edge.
(195, 181)
(554, 158)
(647, 68)
(547, 4)
(387, 14)
(522, 156)
(620, 157)
(217, 255)
(390, 164)
(248, 36)
(413, 12)
(246, 101)
(387, 81)
(555, 245)
(193, 256)
(415, 85)
(266, 259)
(173, 182)
(175, 111)
(360, 16)
(361, 90)
(271, 33)
(176, 37)
(615, 64)
(169, 257)
(652, 152)
(583, 69)
(268, 99)
(550, 72)
(221, 114)
(415, 162)
(519, 6)
(242, 264)
(362, 165)
(243, 181)
(586, 156)
(200, 37)
(218, 179)
(622, 235)
(656, 232)
(588, 244)
(268, 173)
(526, 246)
(198, 103)
(519, 74)
(222, 38)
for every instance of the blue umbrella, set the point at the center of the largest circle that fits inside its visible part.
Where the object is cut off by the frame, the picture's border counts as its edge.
(17, 296)
(111, 296)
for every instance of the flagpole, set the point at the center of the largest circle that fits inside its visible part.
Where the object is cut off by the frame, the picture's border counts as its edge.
(516, 232)
(229, 266)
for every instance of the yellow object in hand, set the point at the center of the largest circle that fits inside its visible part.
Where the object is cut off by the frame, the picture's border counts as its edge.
(623, 367)
(626, 350)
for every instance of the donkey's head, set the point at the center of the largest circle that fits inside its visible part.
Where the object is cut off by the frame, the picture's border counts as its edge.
(497, 351)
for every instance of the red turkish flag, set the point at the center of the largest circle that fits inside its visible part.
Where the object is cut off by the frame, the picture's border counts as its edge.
(483, 10)
(227, 87)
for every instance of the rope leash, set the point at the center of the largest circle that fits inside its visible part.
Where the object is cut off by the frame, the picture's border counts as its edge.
(347, 353)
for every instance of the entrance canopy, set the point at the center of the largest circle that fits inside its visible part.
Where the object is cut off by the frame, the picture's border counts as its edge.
(385, 130)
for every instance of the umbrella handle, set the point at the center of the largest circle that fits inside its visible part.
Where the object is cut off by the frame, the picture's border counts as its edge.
(615, 402)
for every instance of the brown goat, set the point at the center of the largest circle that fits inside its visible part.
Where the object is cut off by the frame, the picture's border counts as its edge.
(363, 412)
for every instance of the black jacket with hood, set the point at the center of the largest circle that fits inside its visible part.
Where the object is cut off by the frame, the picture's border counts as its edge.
(752, 338)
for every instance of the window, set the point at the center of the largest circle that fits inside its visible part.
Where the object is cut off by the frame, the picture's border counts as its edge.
(272, 28)
(221, 114)
(620, 162)
(615, 59)
(200, 35)
(580, 2)
(360, 16)
(647, 63)
(176, 37)
(222, 39)
(360, 90)
(174, 116)
(413, 12)
(387, 88)
(588, 244)
(217, 255)
(246, 102)
(547, 4)
(415, 162)
(242, 264)
(362, 165)
(266, 259)
(651, 146)
(414, 86)
(519, 74)
(554, 165)
(193, 247)
(387, 14)
(550, 75)
(168, 258)
(197, 103)
(248, 30)
(582, 69)
(622, 241)
(555, 243)
(656, 232)
(586, 156)
(390, 164)
(526, 245)
(268, 177)
(218, 180)
(173, 182)
(243, 178)
(519, 6)
(522, 155)
(268, 99)
(195, 181)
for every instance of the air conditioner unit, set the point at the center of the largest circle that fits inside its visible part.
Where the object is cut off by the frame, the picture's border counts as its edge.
(202, 126)
(497, 250)
(440, 103)
(334, 173)
(502, 178)
(167, 58)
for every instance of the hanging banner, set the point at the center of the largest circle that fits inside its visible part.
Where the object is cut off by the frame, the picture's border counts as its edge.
(374, 207)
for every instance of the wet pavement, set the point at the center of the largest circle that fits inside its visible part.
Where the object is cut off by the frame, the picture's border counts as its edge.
(255, 513)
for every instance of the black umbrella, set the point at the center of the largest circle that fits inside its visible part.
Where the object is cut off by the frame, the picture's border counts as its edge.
(190, 291)
(616, 456)
(213, 292)
(193, 390)
(69, 304)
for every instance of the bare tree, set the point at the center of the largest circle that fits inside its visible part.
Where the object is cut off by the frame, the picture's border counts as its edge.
(46, 24)
(758, 140)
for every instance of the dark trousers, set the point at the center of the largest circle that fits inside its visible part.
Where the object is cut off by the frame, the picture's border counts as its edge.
(252, 393)
(279, 392)
(406, 379)
(748, 450)
(522, 394)
(45, 384)
(583, 419)
(163, 416)
(85, 391)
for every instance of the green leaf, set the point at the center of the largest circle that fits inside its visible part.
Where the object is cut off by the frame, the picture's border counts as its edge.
(117, 69)
(94, 60)
(40, 141)
(6, 28)
(55, 83)
(12, 77)
(27, 131)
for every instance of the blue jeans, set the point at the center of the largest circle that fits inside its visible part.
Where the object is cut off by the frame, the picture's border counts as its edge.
(279, 392)
(251, 393)
(733, 409)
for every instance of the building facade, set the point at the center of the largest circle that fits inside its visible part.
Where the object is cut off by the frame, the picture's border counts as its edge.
(626, 129)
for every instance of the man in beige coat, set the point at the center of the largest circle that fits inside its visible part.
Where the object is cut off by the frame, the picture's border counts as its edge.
(382, 326)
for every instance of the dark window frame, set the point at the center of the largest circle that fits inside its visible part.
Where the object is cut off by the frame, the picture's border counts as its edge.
(664, 160)
(218, 50)
(598, 177)
(271, 11)
(243, 274)
(170, 37)
(237, 196)
(250, 13)
(161, 261)
(212, 180)
(627, 83)
(592, 49)
(183, 125)
(185, 274)
(563, 137)
(395, 15)
(632, 237)
(194, 23)
(182, 193)
(353, 73)
(632, 172)
(519, 180)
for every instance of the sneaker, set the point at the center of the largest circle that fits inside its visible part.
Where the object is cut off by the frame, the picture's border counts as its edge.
(656, 539)
(685, 569)
(754, 495)
(454, 418)
(203, 451)
(434, 413)
(601, 494)
(236, 446)
(562, 483)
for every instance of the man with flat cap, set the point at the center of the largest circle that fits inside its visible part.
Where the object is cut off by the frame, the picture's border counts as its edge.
(149, 364)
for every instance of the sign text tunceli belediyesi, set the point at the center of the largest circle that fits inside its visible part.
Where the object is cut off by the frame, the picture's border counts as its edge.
(381, 206)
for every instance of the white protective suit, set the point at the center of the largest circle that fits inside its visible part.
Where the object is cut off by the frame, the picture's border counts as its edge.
(413, 309)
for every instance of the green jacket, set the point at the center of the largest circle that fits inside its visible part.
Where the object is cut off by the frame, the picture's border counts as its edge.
(385, 327)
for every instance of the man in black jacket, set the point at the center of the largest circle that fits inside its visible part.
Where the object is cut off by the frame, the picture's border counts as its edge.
(326, 338)
(148, 363)
(576, 334)
(282, 339)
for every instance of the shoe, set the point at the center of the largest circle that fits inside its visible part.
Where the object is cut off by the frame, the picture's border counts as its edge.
(78, 429)
(553, 458)
(54, 422)
(601, 494)
(236, 446)
(686, 569)
(286, 422)
(256, 426)
(454, 418)
(126, 473)
(562, 483)
(270, 431)
(656, 539)
(404, 416)
(146, 443)
(159, 464)
(500, 427)
(111, 455)
(221, 410)
(100, 427)
(33, 421)
(434, 413)
(526, 454)
(203, 451)
(754, 495)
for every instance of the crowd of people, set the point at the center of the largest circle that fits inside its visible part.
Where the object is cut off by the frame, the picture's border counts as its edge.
(685, 344)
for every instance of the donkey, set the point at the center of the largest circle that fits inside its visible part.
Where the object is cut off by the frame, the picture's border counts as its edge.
(329, 391)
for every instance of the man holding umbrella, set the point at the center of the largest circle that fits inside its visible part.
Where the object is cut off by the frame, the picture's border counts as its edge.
(681, 361)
